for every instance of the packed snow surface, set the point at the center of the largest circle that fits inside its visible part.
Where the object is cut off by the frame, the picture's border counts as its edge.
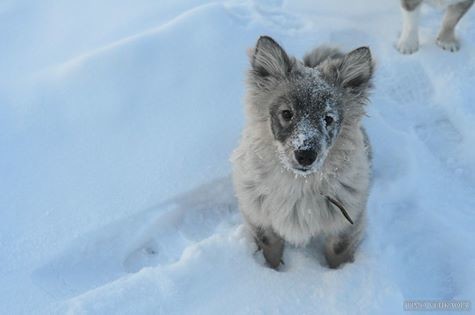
(117, 120)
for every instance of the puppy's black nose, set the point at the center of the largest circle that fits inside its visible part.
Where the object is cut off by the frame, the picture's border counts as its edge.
(305, 157)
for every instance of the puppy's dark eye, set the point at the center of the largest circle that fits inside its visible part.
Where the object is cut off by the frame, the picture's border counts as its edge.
(328, 120)
(287, 115)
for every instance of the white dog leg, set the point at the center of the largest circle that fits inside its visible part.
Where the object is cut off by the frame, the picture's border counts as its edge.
(409, 40)
(446, 38)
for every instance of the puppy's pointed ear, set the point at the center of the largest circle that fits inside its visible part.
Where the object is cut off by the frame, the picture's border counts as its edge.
(356, 69)
(269, 59)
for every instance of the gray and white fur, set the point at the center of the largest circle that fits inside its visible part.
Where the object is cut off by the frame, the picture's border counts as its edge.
(408, 42)
(303, 141)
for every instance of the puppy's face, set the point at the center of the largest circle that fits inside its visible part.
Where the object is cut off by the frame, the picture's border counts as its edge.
(305, 120)
(306, 107)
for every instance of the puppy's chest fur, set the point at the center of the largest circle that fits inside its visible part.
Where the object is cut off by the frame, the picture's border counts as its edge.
(295, 206)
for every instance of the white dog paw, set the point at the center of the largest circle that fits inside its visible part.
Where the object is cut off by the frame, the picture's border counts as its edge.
(451, 45)
(407, 45)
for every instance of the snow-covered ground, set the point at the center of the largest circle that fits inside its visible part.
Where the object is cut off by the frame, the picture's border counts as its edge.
(117, 119)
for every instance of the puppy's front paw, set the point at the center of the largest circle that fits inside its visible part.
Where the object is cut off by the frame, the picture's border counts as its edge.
(273, 254)
(407, 45)
(449, 44)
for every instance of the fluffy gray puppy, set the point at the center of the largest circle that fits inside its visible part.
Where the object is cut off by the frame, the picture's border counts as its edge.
(302, 168)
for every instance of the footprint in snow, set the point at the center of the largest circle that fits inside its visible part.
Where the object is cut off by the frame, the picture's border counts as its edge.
(155, 237)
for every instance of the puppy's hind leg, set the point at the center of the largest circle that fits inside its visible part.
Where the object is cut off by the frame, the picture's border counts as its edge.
(271, 244)
(408, 42)
(446, 38)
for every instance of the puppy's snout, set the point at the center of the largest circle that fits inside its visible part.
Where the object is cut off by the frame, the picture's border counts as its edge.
(305, 157)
